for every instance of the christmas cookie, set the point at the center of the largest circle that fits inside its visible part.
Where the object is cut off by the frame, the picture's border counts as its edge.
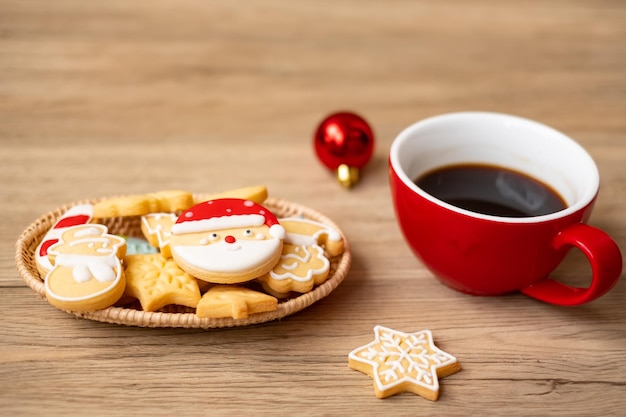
(234, 301)
(87, 273)
(256, 193)
(306, 232)
(227, 241)
(75, 216)
(138, 205)
(156, 282)
(403, 362)
(157, 228)
(303, 262)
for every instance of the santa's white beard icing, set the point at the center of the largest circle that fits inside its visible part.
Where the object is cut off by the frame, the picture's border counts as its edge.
(232, 259)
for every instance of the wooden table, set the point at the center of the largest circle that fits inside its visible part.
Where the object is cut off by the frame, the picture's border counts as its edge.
(123, 97)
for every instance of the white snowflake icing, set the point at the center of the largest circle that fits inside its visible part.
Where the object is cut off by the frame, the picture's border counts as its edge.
(398, 357)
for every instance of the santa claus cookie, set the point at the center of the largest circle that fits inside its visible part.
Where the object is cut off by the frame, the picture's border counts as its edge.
(227, 241)
(87, 273)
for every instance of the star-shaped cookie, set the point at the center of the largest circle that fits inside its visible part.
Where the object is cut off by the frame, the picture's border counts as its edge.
(234, 301)
(157, 281)
(403, 362)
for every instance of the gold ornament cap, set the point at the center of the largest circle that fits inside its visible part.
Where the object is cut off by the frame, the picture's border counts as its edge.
(347, 175)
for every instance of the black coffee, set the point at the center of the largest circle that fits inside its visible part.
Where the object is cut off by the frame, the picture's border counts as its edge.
(491, 190)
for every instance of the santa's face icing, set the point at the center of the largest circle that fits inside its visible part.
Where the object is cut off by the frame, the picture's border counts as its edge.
(228, 250)
(228, 240)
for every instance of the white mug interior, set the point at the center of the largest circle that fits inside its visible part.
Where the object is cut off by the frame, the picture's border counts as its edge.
(502, 140)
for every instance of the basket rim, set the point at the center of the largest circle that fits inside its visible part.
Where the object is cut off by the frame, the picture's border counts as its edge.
(30, 238)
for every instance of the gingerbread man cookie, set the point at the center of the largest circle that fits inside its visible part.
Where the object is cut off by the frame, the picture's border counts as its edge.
(87, 273)
(303, 262)
(227, 241)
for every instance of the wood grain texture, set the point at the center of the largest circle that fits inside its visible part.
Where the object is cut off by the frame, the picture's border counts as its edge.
(117, 97)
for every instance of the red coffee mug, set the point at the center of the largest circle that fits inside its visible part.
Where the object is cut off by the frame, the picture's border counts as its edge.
(491, 255)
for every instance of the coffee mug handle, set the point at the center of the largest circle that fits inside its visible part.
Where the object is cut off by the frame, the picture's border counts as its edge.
(606, 267)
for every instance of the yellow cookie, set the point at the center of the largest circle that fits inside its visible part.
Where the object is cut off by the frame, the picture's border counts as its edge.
(234, 301)
(171, 201)
(138, 205)
(403, 362)
(156, 282)
(157, 228)
(131, 205)
(303, 263)
(87, 273)
(256, 193)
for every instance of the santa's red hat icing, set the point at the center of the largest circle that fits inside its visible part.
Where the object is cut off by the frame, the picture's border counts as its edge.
(227, 213)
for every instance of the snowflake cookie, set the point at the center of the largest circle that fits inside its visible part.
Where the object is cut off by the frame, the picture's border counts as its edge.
(403, 362)
(156, 281)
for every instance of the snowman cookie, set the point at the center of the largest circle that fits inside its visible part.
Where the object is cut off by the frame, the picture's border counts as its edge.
(227, 241)
(87, 273)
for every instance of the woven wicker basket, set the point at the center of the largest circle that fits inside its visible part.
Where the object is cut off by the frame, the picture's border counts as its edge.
(177, 316)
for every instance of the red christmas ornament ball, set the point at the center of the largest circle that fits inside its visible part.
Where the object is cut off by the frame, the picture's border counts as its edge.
(344, 139)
